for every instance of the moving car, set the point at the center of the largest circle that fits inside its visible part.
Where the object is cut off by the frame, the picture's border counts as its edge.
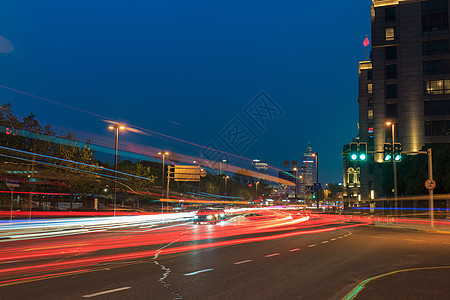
(210, 215)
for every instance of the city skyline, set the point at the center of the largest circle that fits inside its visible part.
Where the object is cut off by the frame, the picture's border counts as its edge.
(174, 68)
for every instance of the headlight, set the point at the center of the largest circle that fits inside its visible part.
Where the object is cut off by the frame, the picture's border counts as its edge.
(222, 215)
(209, 217)
(195, 217)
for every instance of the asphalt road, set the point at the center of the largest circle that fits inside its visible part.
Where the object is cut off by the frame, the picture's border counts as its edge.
(268, 258)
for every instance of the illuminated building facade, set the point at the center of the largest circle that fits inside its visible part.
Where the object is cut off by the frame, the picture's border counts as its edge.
(308, 169)
(406, 82)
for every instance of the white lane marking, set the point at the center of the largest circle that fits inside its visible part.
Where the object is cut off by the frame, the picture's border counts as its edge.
(273, 254)
(324, 242)
(197, 272)
(107, 292)
(332, 239)
(339, 237)
(296, 249)
(312, 245)
(242, 262)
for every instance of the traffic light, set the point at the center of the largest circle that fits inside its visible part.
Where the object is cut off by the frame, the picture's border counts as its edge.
(387, 152)
(362, 151)
(353, 151)
(397, 152)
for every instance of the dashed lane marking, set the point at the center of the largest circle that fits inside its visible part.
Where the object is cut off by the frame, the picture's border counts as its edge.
(107, 292)
(242, 262)
(273, 254)
(324, 242)
(332, 239)
(197, 272)
(293, 250)
(312, 245)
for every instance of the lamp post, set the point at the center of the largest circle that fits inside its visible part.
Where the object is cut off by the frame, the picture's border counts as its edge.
(296, 182)
(116, 127)
(163, 153)
(226, 177)
(257, 189)
(394, 165)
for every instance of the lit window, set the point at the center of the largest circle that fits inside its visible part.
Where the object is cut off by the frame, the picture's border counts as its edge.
(390, 34)
(437, 87)
(370, 114)
(369, 88)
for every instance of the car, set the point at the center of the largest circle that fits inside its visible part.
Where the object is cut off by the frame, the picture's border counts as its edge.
(210, 215)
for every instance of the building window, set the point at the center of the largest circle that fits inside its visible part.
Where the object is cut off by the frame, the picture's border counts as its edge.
(435, 47)
(437, 107)
(390, 14)
(390, 34)
(391, 71)
(436, 128)
(391, 91)
(433, 67)
(437, 87)
(391, 52)
(391, 110)
(369, 88)
(370, 114)
(434, 17)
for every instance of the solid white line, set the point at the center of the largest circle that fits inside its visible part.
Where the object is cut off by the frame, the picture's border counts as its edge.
(196, 272)
(324, 242)
(312, 245)
(107, 292)
(273, 254)
(242, 262)
(296, 249)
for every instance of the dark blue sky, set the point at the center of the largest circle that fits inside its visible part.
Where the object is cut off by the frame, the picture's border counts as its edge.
(189, 68)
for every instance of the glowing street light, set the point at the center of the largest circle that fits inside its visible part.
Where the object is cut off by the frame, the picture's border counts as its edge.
(226, 178)
(116, 127)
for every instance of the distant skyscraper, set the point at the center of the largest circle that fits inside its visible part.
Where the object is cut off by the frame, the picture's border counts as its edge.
(308, 168)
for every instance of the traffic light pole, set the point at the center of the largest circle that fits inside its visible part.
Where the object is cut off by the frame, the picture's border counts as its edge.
(394, 167)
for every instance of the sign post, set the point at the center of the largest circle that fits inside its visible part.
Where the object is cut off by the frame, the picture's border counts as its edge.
(432, 185)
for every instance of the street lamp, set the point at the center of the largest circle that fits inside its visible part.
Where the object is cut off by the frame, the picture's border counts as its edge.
(394, 165)
(116, 127)
(296, 182)
(257, 189)
(226, 177)
(163, 153)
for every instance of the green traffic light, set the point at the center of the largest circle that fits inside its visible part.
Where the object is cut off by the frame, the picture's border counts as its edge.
(354, 157)
(362, 157)
(398, 157)
(387, 157)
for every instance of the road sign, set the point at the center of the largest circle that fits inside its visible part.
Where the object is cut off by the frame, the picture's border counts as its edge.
(430, 184)
(12, 182)
(187, 173)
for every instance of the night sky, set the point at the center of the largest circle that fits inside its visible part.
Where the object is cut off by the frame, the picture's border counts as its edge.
(192, 70)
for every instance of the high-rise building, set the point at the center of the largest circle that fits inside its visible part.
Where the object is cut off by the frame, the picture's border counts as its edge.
(406, 82)
(308, 169)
